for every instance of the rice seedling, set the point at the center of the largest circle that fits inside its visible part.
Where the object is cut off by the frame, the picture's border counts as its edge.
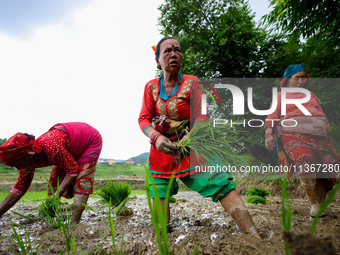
(323, 207)
(286, 210)
(256, 191)
(112, 228)
(256, 200)
(114, 192)
(172, 200)
(24, 244)
(214, 143)
(47, 207)
(158, 215)
(257, 196)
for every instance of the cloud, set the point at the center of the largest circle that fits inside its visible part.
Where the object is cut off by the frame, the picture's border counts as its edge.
(20, 18)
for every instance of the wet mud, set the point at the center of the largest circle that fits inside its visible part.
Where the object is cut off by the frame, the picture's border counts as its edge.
(192, 217)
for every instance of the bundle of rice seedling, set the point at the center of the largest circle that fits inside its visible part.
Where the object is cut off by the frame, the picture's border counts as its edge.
(172, 200)
(257, 195)
(256, 200)
(217, 142)
(255, 191)
(113, 191)
(47, 208)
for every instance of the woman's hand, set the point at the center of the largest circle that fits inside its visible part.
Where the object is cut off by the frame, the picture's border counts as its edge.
(270, 143)
(164, 145)
(183, 139)
(8, 202)
(67, 182)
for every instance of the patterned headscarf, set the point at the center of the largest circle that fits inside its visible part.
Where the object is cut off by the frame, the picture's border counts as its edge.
(17, 147)
(290, 70)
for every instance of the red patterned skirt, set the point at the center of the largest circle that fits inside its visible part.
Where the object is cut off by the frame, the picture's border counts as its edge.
(310, 154)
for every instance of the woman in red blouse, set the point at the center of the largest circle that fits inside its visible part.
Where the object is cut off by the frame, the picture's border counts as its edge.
(172, 103)
(303, 148)
(72, 148)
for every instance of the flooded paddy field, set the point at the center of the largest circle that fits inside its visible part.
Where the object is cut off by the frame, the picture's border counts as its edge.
(192, 218)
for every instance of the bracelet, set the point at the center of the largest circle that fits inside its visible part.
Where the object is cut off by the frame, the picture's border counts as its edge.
(154, 136)
(269, 134)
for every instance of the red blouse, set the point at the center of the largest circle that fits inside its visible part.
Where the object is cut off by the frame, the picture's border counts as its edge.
(185, 104)
(55, 144)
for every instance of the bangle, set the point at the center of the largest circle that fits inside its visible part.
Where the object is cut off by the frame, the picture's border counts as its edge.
(154, 136)
(269, 134)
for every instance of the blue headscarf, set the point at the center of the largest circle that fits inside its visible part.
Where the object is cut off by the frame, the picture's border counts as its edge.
(293, 69)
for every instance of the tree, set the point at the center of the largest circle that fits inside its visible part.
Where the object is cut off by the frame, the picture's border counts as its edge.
(2, 140)
(221, 39)
(317, 19)
(318, 22)
(218, 38)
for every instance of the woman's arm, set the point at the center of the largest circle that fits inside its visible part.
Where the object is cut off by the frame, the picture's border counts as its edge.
(64, 160)
(271, 123)
(67, 182)
(23, 183)
(270, 140)
(8, 202)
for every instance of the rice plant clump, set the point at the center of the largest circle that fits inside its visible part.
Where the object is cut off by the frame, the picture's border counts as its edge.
(114, 191)
(257, 195)
(172, 200)
(46, 208)
(256, 200)
(255, 191)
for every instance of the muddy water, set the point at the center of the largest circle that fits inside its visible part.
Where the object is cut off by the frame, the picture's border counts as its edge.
(192, 219)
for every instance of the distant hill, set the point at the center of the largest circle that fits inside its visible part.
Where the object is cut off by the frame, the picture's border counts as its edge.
(144, 157)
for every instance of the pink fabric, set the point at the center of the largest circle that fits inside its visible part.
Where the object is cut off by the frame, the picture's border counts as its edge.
(86, 142)
(291, 109)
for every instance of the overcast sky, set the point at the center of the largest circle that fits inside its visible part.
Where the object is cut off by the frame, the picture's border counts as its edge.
(79, 60)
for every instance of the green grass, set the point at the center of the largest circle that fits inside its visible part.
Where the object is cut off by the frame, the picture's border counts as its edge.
(32, 197)
(112, 171)
(103, 171)
(29, 197)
